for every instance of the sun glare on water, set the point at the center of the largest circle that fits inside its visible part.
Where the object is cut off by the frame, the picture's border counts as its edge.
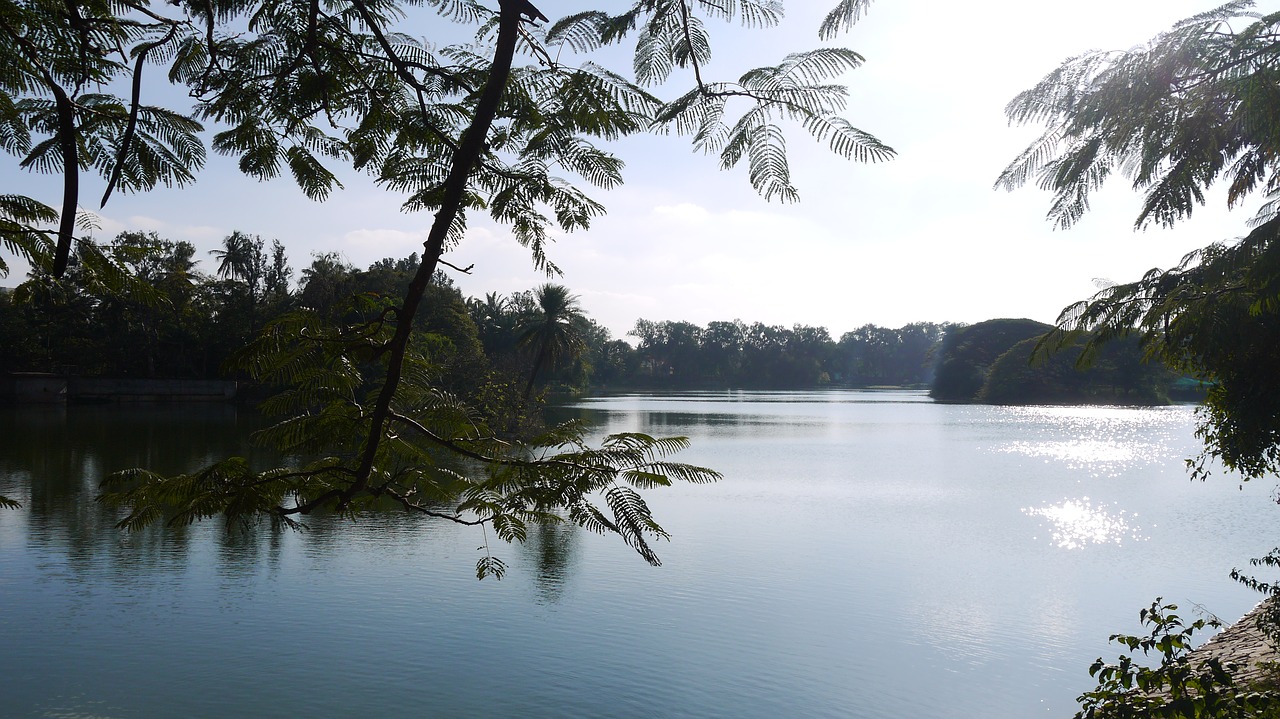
(1077, 451)
(1076, 523)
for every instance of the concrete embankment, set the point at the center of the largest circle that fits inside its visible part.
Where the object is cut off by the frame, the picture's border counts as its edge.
(53, 389)
(1245, 646)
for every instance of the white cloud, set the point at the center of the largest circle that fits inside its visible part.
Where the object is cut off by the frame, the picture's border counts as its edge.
(379, 243)
(109, 227)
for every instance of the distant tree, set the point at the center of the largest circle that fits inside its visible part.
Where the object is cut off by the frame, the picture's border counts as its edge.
(968, 353)
(243, 265)
(390, 276)
(551, 334)
(496, 320)
(722, 346)
(152, 334)
(918, 347)
(866, 355)
(1119, 375)
(808, 351)
(615, 362)
(584, 370)
(326, 283)
(242, 258)
(22, 348)
(448, 337)
(275, 285)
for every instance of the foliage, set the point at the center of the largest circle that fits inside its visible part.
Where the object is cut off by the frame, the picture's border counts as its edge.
(134, 307)
(1118, 375)
(551, 332)
(1179, 687)
(56, 117)
(1193, 105)
(1268, 618)
(296, 88)
(455, 128)
(968, 353)
(734, 354)
(438, 458)
(908, 355)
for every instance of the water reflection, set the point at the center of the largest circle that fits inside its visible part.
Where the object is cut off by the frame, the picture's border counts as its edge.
(552, 552)
(865, 556)
(52, 459)
(1076, 523)
(1077, 451)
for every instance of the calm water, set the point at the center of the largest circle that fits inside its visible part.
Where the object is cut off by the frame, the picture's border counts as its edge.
(867, 555)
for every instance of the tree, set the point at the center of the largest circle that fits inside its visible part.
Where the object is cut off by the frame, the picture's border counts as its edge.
(552, 333)
(722, 344)
(456, 128)
(326, 283)
(1194, 105)
(242, 258)
(141, 327)
(1118, 375)
(968, 353)
(495, 322)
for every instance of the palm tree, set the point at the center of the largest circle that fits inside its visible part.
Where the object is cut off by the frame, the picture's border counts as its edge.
(551, 331)
(242, 258)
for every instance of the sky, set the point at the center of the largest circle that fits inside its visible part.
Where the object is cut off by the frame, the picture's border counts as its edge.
(923, 237)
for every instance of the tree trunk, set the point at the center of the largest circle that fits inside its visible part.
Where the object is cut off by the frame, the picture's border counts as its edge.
(469, 151)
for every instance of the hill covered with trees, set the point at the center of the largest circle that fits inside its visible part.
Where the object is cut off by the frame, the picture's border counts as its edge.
(1003, 361)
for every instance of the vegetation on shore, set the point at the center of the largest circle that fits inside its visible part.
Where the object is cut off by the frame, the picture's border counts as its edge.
(498, 349)
(998, 362)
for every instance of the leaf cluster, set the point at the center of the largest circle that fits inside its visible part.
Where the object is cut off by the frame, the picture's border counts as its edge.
(1194, 104)
(1180, 686)
(1214, 316)
(435, 457)
(1267, 618)
(303, 88)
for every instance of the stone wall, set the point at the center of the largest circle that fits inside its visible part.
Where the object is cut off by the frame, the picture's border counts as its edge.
(1243, 645)
(34, 388)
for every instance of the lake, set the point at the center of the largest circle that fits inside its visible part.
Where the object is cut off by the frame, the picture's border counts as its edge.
(868, 554)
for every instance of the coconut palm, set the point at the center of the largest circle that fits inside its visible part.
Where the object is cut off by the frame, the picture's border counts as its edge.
(242, 258)
(551, 332)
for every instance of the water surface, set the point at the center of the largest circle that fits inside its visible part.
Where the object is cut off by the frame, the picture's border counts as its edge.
(869, 554)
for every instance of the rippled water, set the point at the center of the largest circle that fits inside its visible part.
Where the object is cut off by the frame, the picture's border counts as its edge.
(869, 554)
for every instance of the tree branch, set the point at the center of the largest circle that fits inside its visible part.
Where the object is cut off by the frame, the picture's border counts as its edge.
(464, 160)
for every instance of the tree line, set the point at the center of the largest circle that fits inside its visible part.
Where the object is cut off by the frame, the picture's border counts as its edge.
(501, 351)
(174, 320)
(734, 353)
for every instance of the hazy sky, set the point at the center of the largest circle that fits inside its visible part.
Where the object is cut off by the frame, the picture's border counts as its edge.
(921, 237)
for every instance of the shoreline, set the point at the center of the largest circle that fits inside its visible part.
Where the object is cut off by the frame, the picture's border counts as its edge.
(1242, 644)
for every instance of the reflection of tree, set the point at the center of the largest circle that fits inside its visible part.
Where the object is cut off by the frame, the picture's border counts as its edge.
(552, 547)
(55, 457)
